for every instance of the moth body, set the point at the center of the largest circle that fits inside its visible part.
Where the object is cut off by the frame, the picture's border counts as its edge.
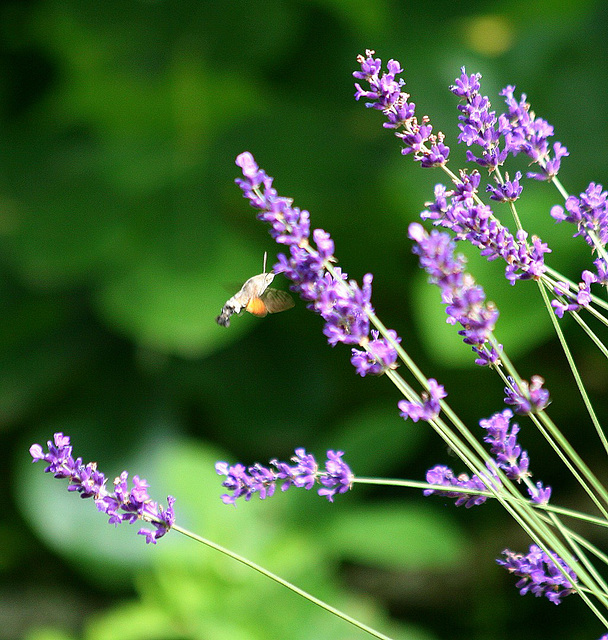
(256, 298)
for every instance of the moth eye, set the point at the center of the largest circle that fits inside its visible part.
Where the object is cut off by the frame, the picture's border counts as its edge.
(256, 307)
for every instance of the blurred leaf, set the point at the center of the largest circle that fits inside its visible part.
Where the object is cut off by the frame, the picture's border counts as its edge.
(174, 310)
(43, 633)
(375, 438)
(397, 536)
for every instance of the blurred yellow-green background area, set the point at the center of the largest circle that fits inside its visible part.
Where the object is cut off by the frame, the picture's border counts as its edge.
(122, 234)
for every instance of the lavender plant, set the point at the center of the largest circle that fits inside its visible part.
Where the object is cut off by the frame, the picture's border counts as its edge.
(559, 561)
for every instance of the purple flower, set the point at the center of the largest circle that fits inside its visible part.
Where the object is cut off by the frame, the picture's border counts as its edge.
(478, 125)
(378, 357)
(525, 133)
(445, 476)
(122, 505)
(504, 446)
(385, 94)
(568, 300)
(507, 192)
(475, 222)
(507, 455)
(527, 398)
(465, 300)
(589, 213)
(539, 573)
(247, 481)
(429, 406)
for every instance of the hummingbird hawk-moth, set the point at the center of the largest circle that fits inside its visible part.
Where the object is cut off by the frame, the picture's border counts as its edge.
(257, 298)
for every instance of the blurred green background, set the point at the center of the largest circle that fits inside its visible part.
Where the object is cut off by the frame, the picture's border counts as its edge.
(121, 236)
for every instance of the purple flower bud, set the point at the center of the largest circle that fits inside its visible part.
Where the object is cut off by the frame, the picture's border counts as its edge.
(429, 406)
(539, 574)
(527, 398)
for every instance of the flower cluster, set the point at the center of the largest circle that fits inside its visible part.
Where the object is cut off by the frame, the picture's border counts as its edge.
(385, 94)
(428, 408)
(527, 397)
(507, 456)
(575, 301)
(378, 356)
(460, 211)
(525, 133)
(445, 476)
(519, 130)
(465, 299)
(589, 213)
(478, 125)
(122, 504)
(540, 574)
(342, 303)
(246, 481)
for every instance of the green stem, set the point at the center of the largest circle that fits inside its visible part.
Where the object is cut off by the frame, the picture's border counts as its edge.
(575, 373)
(419, 484)
(282, 582)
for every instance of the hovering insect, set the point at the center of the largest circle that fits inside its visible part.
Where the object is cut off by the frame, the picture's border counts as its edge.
(256, 298)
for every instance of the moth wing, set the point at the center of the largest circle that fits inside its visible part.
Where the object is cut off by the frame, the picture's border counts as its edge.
(277, 300)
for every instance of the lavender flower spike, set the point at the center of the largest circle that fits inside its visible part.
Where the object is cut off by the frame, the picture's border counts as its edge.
(247, 481)
(445, 476)
(122, 504)
(508, 456)
(343, 304)
(478, 125)
(385, 94)
(539, 574)
(465, 299)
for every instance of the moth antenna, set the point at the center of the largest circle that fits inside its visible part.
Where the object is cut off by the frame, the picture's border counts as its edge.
(265, 256)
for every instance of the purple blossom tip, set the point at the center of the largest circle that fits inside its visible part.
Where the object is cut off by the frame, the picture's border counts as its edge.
(527, 397)
(122, 504)
(247, 481)
(383, 92)
(464, 298)
(428, 407)
(539, 573)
